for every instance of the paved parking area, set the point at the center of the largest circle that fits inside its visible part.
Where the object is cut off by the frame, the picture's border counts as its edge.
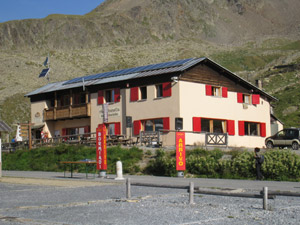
(57, 200)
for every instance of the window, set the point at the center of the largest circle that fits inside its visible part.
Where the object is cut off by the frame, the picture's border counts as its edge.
(113, 128)
(63, 100)
(216, 91)
(163, 90)
(209, 125)
(151, 125)
(213, 125)
(248, 99)
(79, 98)
(75, 131)
(252, 128)
(108, 96)
(159, 91)
(143, 93)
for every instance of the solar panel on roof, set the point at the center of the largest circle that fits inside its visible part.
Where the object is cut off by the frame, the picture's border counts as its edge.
(44, 72)
(131, 70)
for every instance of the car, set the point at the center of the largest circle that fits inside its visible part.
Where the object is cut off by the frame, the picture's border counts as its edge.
(288, 137)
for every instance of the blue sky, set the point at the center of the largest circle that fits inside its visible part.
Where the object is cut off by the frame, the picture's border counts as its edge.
(28, 9)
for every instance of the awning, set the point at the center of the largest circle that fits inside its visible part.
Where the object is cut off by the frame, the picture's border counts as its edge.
(37, 126)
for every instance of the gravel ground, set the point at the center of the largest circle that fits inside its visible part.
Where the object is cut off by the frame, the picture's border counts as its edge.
(106, 204)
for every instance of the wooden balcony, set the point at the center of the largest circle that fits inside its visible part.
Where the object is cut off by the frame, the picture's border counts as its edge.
(68, 112)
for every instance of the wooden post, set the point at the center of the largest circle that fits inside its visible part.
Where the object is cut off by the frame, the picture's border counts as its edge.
(191, 193)
(128, 188)
(265, 198)
(29, 136)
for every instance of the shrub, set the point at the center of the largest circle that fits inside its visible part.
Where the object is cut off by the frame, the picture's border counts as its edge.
(162, 165)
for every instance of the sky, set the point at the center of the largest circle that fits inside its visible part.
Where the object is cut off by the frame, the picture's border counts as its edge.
(37, 9)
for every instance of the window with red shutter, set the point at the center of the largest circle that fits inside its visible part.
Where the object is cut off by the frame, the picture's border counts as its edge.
(241, 128)
(196, 124)
(263, 129)
(117, 94)
(255, 99)
(134, 94)
(230, 127)
(240, 98)
(117, 128)
(166, 123)
(136, 127)
(167, 89)
(208, 90)
(100, 97)
(224, 92)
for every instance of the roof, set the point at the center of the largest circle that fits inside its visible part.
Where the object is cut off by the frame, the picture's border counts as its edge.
(137, 72)
(4, 127)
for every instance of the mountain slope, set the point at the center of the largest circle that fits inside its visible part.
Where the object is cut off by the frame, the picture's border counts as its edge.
(122, 22)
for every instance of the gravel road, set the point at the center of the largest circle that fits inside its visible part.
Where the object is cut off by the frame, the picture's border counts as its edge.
(82, 202)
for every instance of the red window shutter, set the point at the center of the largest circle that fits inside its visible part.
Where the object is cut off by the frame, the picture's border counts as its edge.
(167, 89)
(241, 128)
(136, 127)
(224, 92)
(134, 94)
(64, 133)
(255, 99)
(100, 98)
(196, 124)
(263, 129)
(240, 98)
(117, 94)
(166, 123)
(230, 127)
(117, 128)
(208, 90)
(86, 130)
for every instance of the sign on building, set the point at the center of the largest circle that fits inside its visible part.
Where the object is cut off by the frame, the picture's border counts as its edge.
(101, 147)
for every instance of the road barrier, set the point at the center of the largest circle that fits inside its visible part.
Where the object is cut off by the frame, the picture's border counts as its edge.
(264, 195)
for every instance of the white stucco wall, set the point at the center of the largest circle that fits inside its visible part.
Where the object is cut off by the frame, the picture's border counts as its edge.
(195, 103)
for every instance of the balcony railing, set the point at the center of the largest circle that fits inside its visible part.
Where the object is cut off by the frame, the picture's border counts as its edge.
(68, 112)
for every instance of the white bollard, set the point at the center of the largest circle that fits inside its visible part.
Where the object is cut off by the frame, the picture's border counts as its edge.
(119, 171)
(265, 198)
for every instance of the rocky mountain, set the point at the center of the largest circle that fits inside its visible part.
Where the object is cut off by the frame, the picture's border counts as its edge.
(250, 37)
(123, 22)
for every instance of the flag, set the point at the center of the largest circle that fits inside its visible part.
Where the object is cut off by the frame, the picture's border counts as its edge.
(46, 62)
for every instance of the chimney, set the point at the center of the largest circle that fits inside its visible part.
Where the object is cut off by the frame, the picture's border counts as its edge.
(258, 84)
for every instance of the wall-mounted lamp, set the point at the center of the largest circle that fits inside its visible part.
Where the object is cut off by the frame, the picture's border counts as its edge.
(175, 79)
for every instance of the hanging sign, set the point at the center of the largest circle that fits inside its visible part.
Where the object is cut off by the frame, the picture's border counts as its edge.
(101, 147)
(180, 151)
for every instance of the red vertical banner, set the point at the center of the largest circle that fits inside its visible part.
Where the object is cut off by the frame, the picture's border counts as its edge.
(101, 147)
(180, 151)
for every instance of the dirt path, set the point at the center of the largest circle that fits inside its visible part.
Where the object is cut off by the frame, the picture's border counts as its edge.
(53, 182)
